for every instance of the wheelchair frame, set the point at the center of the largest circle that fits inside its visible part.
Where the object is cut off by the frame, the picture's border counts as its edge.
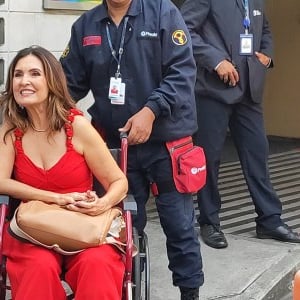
(136, 283)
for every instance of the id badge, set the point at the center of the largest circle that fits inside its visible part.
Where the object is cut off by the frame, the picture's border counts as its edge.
(121, 99)
(114, 88)
(246, 44)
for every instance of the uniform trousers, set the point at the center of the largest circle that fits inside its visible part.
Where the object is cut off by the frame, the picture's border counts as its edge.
(246, 124)
(150, 162)
(34, 272)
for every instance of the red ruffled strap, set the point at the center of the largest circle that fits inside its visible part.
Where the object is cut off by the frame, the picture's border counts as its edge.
(68, 126)
(18, 142)
(72, 113)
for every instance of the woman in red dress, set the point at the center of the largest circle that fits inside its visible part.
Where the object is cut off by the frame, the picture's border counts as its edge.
(49, 152)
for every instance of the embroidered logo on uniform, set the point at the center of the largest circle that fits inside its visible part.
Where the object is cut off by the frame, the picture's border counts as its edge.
(66, 52)
(256, 12)
(92, 40)
(148, 34)
(179, 37)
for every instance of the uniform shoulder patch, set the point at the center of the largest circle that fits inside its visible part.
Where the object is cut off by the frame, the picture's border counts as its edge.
(66, 52)
(179, 37)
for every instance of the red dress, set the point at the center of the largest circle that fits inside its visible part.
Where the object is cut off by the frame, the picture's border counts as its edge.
(34, 271)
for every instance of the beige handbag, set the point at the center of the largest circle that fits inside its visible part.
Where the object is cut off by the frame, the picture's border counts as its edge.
(65, 231)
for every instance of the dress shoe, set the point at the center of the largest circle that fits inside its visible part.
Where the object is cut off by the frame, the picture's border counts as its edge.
(281, 233)
(213, 236)
(189, 293)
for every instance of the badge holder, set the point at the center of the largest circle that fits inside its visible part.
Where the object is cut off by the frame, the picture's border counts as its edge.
(120, 100)
(246, 44)
(246, 39)
(114, 87)
(116, 91)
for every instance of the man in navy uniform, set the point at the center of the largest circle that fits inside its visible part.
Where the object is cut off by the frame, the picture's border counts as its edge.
(232, 46)
(143, 48)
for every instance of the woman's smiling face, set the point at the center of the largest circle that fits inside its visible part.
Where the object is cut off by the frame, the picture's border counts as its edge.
(30, 86)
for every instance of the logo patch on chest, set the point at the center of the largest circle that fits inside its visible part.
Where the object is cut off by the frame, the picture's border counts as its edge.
(148, 35)
(92, 40)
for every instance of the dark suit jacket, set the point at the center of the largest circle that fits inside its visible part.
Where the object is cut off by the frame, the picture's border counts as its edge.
(215, 27)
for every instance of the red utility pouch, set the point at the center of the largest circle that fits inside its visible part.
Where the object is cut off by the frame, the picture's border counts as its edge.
(189, 165)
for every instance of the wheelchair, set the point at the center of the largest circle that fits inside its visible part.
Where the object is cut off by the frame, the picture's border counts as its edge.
(136, 283)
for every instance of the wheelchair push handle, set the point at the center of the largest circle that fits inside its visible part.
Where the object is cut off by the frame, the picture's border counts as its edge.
(124, 150)
(123, 135)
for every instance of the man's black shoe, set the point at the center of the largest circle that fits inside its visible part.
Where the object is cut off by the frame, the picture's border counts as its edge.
(189, 293)
(282, 233)
(213, 236)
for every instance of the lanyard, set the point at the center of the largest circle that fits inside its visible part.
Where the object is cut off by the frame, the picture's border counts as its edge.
(246, 21)
(121, 48)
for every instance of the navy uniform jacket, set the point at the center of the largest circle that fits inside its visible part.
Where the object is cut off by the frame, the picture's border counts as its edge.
(157, 66)
(215, 27)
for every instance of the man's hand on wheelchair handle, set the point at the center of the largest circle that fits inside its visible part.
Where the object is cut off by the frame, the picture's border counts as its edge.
(139, 126)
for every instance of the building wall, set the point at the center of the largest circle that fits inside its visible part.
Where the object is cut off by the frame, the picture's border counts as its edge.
(282, 96)
(27, 23)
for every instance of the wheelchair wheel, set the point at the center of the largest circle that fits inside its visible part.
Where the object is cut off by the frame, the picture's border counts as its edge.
(141, 267)
(136, 268)
(145, 266)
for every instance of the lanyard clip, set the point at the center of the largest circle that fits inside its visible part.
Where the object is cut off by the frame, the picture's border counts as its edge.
(246, 24)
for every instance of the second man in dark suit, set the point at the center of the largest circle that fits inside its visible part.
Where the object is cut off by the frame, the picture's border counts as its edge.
(232, 46)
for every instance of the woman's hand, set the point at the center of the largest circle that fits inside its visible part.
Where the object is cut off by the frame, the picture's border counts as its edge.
(70, 198)
(92, 205)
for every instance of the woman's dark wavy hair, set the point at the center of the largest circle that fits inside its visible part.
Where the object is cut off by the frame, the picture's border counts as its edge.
(59, 99)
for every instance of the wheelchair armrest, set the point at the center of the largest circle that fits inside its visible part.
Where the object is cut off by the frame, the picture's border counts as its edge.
(4, 199)
(129, 204)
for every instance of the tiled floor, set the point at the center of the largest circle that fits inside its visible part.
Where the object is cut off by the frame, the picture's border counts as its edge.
(276, 145)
